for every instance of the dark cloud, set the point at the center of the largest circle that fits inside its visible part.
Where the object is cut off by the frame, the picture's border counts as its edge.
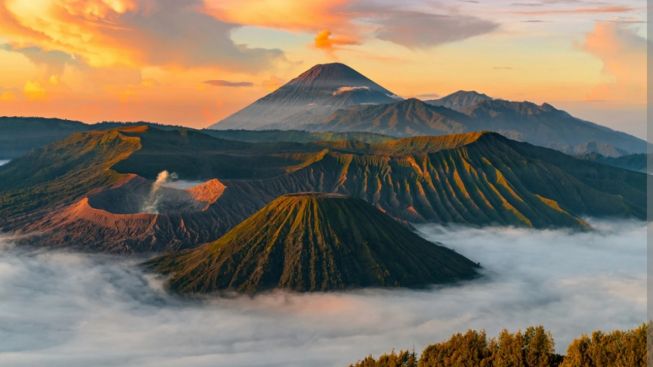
(66, 309)
(178, 32)
(420, 30)
(227, 83)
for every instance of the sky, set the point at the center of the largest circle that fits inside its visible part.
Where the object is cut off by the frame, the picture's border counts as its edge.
(194, 62)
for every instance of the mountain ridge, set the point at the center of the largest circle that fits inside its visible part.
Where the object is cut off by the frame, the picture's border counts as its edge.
(476, 179)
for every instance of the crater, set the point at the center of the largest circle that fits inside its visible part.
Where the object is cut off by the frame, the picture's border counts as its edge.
(139, 195)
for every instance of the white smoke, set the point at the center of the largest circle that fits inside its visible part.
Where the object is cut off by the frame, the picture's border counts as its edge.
(62, 309)
(3, 162)
(150, 205)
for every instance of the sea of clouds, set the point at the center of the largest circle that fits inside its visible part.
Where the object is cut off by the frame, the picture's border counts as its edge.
(67, 309)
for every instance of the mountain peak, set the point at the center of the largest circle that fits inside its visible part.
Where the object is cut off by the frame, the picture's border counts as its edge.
(468, 93)
(334, 75)
(319, 91)
(461, 100)
(314, 242)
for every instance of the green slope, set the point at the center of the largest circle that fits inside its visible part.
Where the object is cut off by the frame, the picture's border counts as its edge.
(474, 178)
(314, 242)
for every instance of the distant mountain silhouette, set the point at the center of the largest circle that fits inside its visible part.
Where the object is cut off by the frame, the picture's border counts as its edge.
(461, 100)
(542, 125)
(314, 242)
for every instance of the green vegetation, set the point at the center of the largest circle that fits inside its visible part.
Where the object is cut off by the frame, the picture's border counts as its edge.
(314, 242)
(533, 347)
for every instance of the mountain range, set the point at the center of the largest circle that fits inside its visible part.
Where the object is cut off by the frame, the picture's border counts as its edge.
(334, 97)
(313, 242)
(91, 190)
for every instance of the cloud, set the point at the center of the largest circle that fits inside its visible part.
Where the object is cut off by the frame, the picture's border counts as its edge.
(326, 41)
(352, 21)
(348, 89)
(426, 96)
(306, 15)
(422, 30)
(623, 53)
(54, 61)
(128, 32)
(608, 9)
(34, 90)
(103, 311)
(227, 83)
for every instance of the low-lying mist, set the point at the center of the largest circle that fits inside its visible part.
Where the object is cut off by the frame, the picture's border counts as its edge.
(64, 309)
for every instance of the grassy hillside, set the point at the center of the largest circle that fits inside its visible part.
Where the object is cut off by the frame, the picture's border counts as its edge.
(314, 242)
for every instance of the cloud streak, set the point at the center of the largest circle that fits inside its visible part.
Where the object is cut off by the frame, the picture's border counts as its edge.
(227, 83)
(103, 311)
(420, 30)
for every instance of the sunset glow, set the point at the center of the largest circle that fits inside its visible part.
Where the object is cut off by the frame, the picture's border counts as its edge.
(194, 62)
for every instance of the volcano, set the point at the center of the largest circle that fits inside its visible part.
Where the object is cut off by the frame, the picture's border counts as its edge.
(314, 242)
(322, 89)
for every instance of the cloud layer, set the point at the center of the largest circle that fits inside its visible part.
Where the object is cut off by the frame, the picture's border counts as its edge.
(67, 310)
(419, 30)
(127, 32)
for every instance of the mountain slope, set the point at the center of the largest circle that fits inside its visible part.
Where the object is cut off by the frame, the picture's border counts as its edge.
(473, 178)
(410, 117)
(542, 125)
(19, 135)
(318, 91)
(314, 242)
(633, 162)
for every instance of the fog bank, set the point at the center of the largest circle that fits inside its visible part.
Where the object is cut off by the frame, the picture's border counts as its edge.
(63, 309)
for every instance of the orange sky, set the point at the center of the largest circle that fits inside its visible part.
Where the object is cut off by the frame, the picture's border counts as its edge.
(97, 60)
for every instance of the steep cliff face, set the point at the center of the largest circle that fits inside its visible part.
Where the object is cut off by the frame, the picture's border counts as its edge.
(314, 242)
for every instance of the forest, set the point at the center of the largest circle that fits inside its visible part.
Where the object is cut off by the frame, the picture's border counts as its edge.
(533, 347)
